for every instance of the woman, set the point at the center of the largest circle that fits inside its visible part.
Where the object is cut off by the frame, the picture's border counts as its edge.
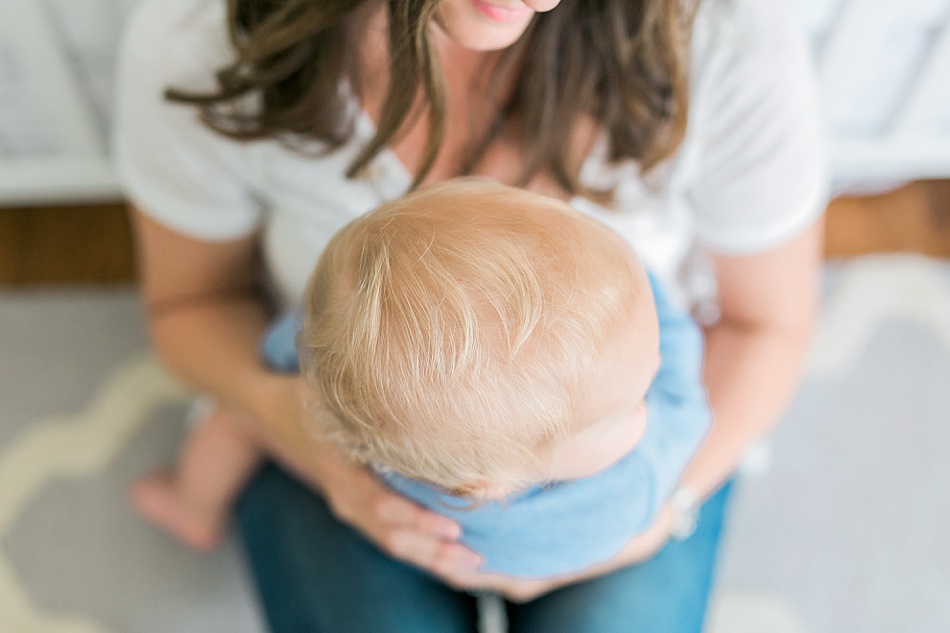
(691, 130)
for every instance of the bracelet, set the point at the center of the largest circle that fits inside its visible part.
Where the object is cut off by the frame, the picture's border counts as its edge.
(685, 508)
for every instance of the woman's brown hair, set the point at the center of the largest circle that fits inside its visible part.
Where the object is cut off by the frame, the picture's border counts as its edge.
(621, 62)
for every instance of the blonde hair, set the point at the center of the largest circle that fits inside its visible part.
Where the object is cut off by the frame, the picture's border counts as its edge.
(446, 332)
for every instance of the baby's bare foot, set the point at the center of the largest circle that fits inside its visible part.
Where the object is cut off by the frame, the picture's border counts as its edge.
(157, 500)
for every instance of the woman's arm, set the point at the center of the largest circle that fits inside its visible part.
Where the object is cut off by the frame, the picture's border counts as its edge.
(755, 353)
(205, 316)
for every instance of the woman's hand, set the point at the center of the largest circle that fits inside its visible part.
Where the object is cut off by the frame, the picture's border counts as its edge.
(397, 526)
(637, 550)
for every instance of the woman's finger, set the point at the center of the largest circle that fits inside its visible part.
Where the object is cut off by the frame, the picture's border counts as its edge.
(431, 554)
(396, 510)
(432, 523)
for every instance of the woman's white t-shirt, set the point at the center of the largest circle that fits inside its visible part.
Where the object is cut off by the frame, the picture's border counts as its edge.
(749, 175)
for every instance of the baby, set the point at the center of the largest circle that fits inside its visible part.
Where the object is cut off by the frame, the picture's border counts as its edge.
(493, 355)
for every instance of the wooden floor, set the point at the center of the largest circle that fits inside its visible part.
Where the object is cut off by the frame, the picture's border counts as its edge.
(40, 246)
(913, 218)
(94, 245)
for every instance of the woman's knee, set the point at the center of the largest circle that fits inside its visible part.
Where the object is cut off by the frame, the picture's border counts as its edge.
(317, 575)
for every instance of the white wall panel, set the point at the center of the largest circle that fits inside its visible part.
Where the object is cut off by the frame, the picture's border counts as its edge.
(52, 141)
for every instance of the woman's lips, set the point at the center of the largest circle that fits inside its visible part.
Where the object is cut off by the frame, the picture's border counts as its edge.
(500, 13)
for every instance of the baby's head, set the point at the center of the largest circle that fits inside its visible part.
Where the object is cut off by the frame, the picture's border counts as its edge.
(480, 338)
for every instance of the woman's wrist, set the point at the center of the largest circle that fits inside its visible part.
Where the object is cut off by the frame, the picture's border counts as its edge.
(282, 428)
(684, 506)
(288, 433)
(640, 548)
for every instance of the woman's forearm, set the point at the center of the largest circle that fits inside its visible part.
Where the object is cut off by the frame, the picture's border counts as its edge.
(206, 315)
(211, 344)
(751, 373)
(213, 347)
(755, 354)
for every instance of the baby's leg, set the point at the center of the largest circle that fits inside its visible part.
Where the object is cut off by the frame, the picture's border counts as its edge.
(193, 502)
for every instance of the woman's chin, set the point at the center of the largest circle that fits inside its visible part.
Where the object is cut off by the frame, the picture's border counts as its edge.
(495, 43)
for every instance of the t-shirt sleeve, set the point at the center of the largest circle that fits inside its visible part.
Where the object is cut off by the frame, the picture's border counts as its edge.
(172, 166)
(761, 175)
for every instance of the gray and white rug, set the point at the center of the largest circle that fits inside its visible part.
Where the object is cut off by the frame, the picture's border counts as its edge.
(841, 525)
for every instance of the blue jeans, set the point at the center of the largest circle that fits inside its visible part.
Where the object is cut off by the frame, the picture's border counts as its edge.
(316, 575)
